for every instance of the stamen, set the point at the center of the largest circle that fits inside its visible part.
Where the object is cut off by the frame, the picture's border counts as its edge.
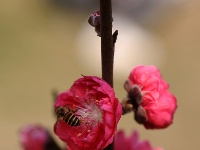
(84, 109)
(89, 112)
(79, 101)
(97, 101)
(79, 134)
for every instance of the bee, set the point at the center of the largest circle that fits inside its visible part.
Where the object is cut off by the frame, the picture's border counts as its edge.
(67, 115)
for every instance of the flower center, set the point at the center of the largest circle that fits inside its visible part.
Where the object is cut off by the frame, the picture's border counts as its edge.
(89, 112)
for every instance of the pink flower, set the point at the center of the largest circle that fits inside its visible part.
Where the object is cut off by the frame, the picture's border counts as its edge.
(153, 104)
(94, 111)
(33, 137)
(122, 142)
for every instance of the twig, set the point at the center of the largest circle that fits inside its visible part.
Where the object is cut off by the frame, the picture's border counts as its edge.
(107, 51)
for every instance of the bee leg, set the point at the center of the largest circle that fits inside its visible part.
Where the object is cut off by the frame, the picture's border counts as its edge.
(67, 108)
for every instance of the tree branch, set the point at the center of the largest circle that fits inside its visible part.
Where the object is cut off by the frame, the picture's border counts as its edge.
(107, 51)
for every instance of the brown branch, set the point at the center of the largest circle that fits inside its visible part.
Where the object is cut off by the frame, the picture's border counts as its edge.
(107, 51)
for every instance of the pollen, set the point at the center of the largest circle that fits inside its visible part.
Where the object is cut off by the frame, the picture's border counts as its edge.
(88, 130)
(74, 107)
(97, 102)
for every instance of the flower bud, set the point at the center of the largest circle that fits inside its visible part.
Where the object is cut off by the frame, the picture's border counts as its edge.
(122, 142)
(153, 105)
(95, 21)
(33, 137)
(36, 137)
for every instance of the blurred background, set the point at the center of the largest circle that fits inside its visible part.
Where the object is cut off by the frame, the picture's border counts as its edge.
(46, 45)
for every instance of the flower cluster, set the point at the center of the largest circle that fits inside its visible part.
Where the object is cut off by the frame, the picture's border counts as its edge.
(122, 142)
(153, 104)
(88, 114)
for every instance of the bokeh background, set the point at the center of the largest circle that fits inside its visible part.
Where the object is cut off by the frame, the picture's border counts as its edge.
(46, 45)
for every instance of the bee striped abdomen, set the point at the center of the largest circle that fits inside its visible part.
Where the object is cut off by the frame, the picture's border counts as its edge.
(71, 119)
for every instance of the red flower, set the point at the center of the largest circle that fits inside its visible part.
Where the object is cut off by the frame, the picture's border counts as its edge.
(154, 105)
(33, 137)
(122, 142)
(94, 112)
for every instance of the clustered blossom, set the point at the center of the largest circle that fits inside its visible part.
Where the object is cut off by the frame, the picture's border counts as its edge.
(153, 105)
(93, 101)
(34, 137)
(122, 142)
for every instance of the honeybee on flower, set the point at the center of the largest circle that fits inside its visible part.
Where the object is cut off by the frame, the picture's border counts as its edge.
(97, 109)
(67, 115)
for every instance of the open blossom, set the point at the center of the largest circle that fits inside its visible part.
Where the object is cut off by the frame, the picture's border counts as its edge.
(34, 137)
(153, 104)
(89, 116)
(132, 142)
